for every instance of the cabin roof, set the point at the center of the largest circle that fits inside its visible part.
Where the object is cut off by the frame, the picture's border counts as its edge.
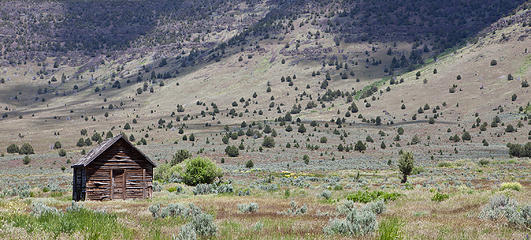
(106, 144)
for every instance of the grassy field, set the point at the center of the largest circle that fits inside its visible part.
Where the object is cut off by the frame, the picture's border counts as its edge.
(416, 213)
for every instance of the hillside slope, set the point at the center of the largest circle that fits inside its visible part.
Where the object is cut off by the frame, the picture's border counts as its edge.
(304, 67)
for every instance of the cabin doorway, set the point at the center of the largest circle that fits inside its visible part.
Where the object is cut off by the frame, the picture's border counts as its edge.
(118, 184)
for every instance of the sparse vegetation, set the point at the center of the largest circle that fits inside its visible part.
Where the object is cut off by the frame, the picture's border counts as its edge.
(396, 114)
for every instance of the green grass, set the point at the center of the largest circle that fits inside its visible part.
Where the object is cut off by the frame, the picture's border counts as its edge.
(439, 197)
(275, 228)
(263, 66)
(444, 164)
(367, 88)
(93, 225)
(368, 196)
(390, 229)
(524, 67)
(229, 228)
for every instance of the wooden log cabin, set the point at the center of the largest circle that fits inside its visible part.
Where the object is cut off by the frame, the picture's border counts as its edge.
(115, 169)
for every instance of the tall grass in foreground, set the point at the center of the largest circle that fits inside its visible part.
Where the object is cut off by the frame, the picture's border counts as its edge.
(389, 229)
(91, 224)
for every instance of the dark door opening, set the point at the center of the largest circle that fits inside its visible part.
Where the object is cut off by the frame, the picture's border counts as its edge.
(118, 184)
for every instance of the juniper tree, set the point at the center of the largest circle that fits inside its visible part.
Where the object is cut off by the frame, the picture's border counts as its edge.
(405, 165)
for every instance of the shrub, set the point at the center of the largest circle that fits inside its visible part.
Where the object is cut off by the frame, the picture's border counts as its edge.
(405, 165)
(167, 173)
(466, 136)
(302, 129)
(345, 207)
(516, 186)
(203, 225)
(525, 215)
(245, 192)
(177, 189)
(484, 162)
(268, 187)
(81, 142)
(295, 210)
(493, 62)
(203, 189)
(75, 207)
(174, 210)
(369, 196)
(249, 164)
(248, 208)
(500, 206)
(57, 145)
(26, 160)
(38, 209)
(13, 148)
(225, 188)
(517, 150)
(326, 194)
(200, 170)
(155, 210)
(376, 207)
(187, 232)
(26, 149)
(356, 223)
(180, 156)
(415, 140)
(439, 197)
(360, 146)
(455, 138)
(232, 151)
(269, 142)
(62, 153)
(400, 131)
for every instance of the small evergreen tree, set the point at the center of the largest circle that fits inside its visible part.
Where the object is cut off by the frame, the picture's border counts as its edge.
(302, 129)
(249, 164)
(268, 142)
(13, 148)
(26, 160)
(26, 149)
(57, 145)
(405, 165)
(232, 151)
(360, 146)
(80, 142)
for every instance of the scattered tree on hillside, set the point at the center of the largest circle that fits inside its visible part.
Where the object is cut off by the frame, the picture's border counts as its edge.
(405, 165)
